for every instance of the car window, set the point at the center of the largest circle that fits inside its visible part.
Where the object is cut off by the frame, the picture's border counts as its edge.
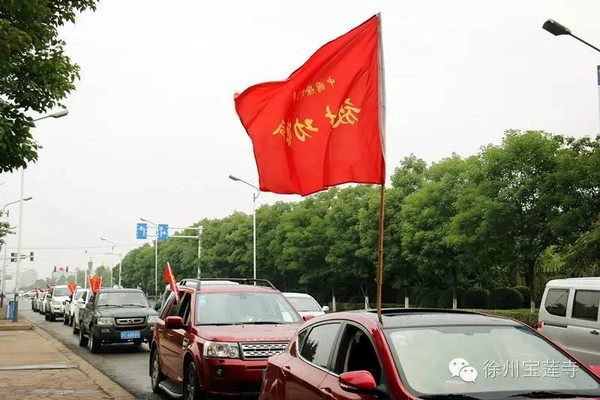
(174, 308)
(305, 304)
(184, 308)
(556, 301)
(319, 343)
(585, 305)
(84, 296)
(356, 353)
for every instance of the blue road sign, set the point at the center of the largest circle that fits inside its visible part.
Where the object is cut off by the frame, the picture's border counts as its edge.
(162, 231)
(141, 232)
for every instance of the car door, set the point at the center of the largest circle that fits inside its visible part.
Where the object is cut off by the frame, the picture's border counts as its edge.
(354, 352)
(583, 332)
(304, 373)
(171, 340)
(174, 339)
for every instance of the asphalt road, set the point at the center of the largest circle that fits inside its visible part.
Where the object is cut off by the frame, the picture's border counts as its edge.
(125, 364)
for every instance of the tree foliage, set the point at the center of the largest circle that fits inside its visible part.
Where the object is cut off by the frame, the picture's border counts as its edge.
(516, 213)
(35, 72)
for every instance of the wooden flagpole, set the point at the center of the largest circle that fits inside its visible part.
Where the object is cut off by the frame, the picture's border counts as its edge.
(380, 251)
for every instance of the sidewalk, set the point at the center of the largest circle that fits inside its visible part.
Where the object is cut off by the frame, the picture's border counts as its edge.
(34, 365)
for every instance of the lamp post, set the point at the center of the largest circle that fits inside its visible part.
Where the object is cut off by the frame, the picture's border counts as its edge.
(112, 249)
(558, 30)
(57, 114)
(254, 197)
(155, 256)
(5, 212)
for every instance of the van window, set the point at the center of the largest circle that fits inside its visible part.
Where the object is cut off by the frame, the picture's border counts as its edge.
(556, 301)
(585, 305)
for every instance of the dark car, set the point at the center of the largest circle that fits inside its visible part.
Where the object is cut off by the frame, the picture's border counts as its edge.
(116, 316)
(426, 354)
(215, 341)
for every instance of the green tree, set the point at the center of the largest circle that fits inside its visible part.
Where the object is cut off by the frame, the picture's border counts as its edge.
(35, 72)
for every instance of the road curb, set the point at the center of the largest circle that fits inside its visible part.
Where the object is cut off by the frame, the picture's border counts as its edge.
(107, 385)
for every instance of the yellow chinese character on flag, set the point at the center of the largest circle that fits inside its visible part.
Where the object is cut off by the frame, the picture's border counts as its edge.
(288, 134)
(301, 128)
(280, 129)
(331, 81)
(320, 86)
(345, 115)
(309, 90)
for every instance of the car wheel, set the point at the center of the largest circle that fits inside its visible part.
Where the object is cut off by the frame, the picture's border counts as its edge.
(191, 386)
(65, 319)
(46, 317)
(70, 320)
(156, 375)
(95, 344)
(75, 329)
(83, 340)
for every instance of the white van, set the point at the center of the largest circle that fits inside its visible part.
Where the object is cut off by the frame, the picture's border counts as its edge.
(569, 316)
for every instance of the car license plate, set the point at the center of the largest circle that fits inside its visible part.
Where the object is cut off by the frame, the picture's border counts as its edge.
(130, 335)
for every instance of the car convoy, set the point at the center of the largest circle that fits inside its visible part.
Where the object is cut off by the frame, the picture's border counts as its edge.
(242, 338)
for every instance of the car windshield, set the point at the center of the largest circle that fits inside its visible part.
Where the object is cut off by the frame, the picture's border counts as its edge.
(78, 294)
(486, 362)
(122, 299)
(304, 303)
(244, 308)
(61, 291)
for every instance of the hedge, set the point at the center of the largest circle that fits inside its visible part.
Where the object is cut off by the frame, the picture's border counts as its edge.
(523, 315)
(505, 299)
(524, 290)
(445, 299)
(475, 298)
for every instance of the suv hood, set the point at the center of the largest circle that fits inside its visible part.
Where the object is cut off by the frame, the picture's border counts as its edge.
(126, 312)
(248, 333)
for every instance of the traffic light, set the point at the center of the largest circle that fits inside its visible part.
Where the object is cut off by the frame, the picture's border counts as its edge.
(31, 256)
(13, 257)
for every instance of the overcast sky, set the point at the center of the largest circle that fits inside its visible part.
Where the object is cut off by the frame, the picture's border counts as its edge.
(152, 131)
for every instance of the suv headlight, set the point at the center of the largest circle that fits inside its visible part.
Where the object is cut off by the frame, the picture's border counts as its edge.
(221, 350)
(152, 319)
(105, 321)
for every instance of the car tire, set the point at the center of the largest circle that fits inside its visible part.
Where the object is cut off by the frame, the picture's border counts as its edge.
(83, 340)
(52, 317)
(71, 320)
(95, 343)
(46, 317)
(156, 376)
(75, 328)
(191, 384)
(65, 319)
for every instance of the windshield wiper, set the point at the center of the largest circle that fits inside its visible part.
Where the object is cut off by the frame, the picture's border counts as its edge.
(109, 305)
(550, 394)
(133, 305)
(261, 323)
(448, 396)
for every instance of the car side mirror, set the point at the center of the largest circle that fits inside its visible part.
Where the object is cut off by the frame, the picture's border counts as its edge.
(595, 369)
(325, 308)
(174, 322)
(359, 382)
(307, 317)
(89, 306)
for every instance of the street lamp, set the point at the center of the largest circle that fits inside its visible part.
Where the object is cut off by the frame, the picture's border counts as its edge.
(557, 30)
(57, 114)
(5, 212)
(254, 197)
(155, 255)
(120, 259)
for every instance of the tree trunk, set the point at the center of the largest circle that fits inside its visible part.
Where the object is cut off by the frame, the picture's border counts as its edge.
(531, 283)
(333, 300)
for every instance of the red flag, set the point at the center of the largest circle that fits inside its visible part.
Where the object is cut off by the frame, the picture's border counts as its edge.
(170, 278)
(48, 285)
(95, 283)
(322, 126)
(72, 287)
(37, 292)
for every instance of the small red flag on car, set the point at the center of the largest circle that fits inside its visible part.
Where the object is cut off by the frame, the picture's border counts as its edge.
(48, 285)
(37, 292)
(170, 278)
(323, 125)
(72, 287)
(95, 283)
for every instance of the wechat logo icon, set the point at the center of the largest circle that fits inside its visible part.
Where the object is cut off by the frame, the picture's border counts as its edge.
(459, 367)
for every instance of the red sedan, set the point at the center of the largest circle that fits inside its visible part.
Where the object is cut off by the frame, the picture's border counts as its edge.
(427, 354)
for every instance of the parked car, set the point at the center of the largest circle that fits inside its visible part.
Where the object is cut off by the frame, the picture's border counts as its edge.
(55, 302)
(29, 294)
(426, 354)
(78, 306)
(569, 315)
(305, 304)
(216, 340)
(70, 306)
(35, 300)
(44, 303)
(116, 316)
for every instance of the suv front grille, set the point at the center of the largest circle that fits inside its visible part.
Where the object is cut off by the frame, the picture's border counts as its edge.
(130, 322)
(261, 351)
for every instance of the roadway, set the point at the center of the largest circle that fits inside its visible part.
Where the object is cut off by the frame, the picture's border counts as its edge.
(125, 364)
